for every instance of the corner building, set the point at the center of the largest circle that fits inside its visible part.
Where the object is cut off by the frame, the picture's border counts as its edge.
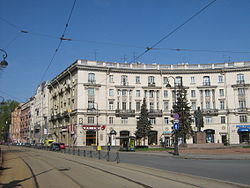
(93, 101)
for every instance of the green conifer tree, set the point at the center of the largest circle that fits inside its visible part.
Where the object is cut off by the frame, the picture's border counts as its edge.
(143, 127)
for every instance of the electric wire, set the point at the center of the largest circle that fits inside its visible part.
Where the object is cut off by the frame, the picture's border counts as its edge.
(202, 50)
(17, 98)
(60, 42)
(175, 29)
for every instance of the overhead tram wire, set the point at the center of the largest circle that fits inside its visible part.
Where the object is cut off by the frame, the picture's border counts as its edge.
(13, 97)
(61, 39)
(174, 30)
(202, 50)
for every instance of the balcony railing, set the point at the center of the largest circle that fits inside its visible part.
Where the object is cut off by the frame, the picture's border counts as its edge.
(240, 81)
(152, 84)
(125, 113)
(155, 113)
(206, 83)
(210, 111)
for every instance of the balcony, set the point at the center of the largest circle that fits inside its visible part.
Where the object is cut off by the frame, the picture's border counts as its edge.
(151, 84)
(125, 113)
(210, 112)
(155, 113)
(242, 109)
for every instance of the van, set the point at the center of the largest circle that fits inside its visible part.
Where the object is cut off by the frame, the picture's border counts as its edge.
(47, 143)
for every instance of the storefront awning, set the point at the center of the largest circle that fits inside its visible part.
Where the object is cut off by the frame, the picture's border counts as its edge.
(243, 130)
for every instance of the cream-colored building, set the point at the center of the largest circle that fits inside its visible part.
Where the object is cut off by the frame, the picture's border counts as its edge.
(39, 114)
(91, 93)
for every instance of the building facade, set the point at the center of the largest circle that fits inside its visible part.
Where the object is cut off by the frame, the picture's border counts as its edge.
(25, 125)
(15, 125)
(94, 101)
(39, 114)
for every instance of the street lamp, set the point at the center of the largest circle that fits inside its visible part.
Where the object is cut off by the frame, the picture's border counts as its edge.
(3, 63)
(175, 115)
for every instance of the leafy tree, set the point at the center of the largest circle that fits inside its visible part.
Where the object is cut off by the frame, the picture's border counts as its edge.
(5, 118)
(143, 125)
(183, 109)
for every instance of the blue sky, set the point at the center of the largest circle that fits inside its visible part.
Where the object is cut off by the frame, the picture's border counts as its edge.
(114, 30)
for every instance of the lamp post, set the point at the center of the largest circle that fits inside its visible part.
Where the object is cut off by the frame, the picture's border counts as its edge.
(3, 63)
(175, 115)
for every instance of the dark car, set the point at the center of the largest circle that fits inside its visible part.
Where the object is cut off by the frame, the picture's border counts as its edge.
(62, 145)
(55, 146)
(27, 144)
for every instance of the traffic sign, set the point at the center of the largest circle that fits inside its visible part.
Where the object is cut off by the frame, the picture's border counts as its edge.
(176, 121)
(176, 126)
(176, 116)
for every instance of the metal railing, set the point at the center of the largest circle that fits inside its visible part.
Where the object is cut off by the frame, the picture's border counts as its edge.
(100, 155)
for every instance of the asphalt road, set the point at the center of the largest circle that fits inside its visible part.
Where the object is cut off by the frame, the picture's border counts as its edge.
(228, 170)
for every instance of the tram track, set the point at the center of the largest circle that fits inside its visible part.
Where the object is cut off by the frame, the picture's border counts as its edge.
(127, 169)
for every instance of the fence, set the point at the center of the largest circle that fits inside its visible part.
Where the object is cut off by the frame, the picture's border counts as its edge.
(101, 155)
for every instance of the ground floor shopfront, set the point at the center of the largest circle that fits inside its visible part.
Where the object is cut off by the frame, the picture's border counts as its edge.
(90, 135)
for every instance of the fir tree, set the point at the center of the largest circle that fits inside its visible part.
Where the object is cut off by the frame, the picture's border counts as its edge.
(143, 125)
(183, 109)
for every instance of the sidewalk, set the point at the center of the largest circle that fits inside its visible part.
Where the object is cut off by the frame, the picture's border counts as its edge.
(15, 172)
(205, 154)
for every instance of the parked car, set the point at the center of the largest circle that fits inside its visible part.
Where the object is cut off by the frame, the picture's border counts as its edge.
(62, 145)
(55, 146)
(27, 144)
(47, 143)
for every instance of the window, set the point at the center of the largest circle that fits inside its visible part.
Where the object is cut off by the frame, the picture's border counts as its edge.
(111, 105)
(165, 80)
(124, 120)
(152, 121)
(138, 93)
(124, 80)
(221, 92)
(208, 120)
(240, 79)
(243, 119)
(90, 105)
(192, 80)
(193, 94)
(91, 77)
(111, 78)
(151, 94)
(137, 80)
(165, 93)
(222, 119)
(242, 103)
(111, 92)
(178, 81)
(124, 92)
(222, 105)
(138, 106)
(193, 105)
(208, 105)
(111, 120)
(151, 80)
(220, 79)
(91, 120)
(207, 93)
(206, 80)
(166, 120)
(165, 106)
(124, 105)
(151, 106)
(241, 91)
